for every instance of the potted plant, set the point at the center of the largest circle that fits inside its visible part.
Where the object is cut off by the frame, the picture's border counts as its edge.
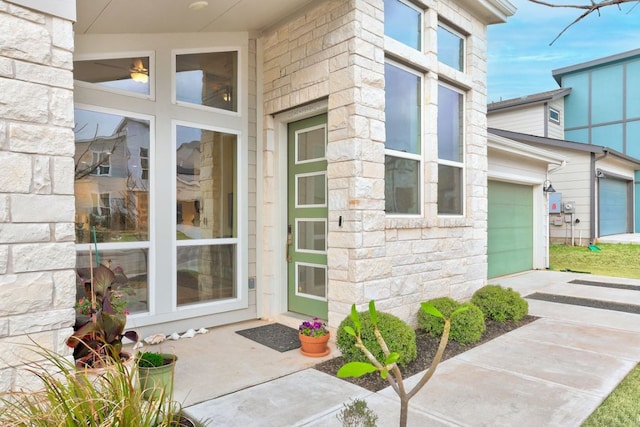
(314, 336)
(97, 340)
(155, 374)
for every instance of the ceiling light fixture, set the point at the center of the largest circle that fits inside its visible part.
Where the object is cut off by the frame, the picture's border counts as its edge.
(138, 72)
(197, 5)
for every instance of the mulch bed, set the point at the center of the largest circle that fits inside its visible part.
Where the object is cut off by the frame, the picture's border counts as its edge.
(427, 347)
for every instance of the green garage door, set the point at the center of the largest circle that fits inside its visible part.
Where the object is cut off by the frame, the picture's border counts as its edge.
(510, 225)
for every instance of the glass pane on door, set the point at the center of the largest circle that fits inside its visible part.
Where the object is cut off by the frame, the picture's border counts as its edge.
(312, 280)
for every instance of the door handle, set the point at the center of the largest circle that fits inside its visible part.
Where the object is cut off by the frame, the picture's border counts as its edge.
(289, 243)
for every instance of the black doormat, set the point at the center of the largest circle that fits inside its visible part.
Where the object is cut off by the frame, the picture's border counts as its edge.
(605, 285)
(585, 302)
(275, 335)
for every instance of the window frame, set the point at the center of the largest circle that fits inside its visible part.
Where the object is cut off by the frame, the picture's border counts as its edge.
(119, 55)
(421, 40)
(463, 54)
(96, 157)
(239, 80)
(551, 118)
(419, 157)
(461, 164)
(149, 244)
(239, 301)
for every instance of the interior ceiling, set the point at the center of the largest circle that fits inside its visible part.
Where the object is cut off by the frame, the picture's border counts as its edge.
(175, 16)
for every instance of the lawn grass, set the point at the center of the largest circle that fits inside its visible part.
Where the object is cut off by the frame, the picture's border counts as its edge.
(619, 260)
(621, 407)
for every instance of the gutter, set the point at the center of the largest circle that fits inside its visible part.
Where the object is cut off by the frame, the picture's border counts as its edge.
(592, 203)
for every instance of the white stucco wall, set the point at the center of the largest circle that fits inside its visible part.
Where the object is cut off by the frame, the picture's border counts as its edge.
(37, 255)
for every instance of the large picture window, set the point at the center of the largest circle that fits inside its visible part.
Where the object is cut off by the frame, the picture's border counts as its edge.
(450, 150)
(112, 201)
(403, 140)
(206, 194)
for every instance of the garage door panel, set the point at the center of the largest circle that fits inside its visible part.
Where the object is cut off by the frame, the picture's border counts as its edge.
(510, 228)
(613, 206)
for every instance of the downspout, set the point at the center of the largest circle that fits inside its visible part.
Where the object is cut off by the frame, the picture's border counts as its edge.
(592, 203)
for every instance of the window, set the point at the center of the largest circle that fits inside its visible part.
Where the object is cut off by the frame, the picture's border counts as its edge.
(403, 144)
(403, 22)
(554, 115)
(208, 79)
(112, 202)
(129, 74)
(206, 194)
(450, 47)
(144, 163)
(450, 151)
(100, 163)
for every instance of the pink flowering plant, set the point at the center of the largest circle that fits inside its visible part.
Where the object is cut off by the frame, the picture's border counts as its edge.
(313, 328)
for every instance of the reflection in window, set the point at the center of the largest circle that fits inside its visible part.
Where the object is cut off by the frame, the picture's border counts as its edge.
(310, 144)
(402, 109)
(450, 151)
(401, 178)
(312, 190)
(128, 74)
(450, 48)
(206, 273)
(403, 23)
(403, 141)
(205, 183)
(130, 267)
(312, 281)
(449, 190)
(111, 192)
(449, 124)
(208, 79)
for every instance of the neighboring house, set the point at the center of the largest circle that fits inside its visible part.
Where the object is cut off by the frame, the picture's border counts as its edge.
(283, 156)
(603, 109)
(593, 195)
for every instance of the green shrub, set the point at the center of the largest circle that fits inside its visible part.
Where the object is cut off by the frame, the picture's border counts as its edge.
(466, 327)
(399, 336)
(500, 304)
(357, 414)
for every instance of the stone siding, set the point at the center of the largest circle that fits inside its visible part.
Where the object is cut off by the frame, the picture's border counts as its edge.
(37, 250)
(336, 51)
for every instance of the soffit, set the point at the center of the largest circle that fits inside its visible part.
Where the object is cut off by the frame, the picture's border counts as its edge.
(175, 16)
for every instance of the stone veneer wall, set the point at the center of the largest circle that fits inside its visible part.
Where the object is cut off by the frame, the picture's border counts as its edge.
(37, 251)
(336, 51)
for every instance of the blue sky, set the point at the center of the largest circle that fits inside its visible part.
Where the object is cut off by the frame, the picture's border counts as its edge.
(520, 60)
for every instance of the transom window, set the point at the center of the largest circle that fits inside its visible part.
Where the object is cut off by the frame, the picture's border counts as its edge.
(451, 49)
(554, 115)
(403, 22)
(450, 150)
(403, 159)
(208, 79)
(129, 74)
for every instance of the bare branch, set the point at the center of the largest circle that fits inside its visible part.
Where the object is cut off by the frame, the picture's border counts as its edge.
(588, 9)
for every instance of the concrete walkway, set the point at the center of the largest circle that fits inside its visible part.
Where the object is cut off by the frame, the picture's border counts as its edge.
(552, 372)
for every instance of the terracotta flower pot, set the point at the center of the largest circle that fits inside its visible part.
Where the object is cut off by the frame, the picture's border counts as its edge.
(314, 346)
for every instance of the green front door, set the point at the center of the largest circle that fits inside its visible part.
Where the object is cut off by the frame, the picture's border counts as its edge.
(307, 217)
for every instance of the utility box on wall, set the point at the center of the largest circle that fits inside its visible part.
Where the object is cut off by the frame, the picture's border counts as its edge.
(555, 202)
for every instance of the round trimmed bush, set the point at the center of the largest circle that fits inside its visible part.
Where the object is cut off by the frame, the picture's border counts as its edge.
(466, 327)
(500, 304)
(399, 336)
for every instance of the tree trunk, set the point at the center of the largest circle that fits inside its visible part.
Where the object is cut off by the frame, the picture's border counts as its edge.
(404, 411)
